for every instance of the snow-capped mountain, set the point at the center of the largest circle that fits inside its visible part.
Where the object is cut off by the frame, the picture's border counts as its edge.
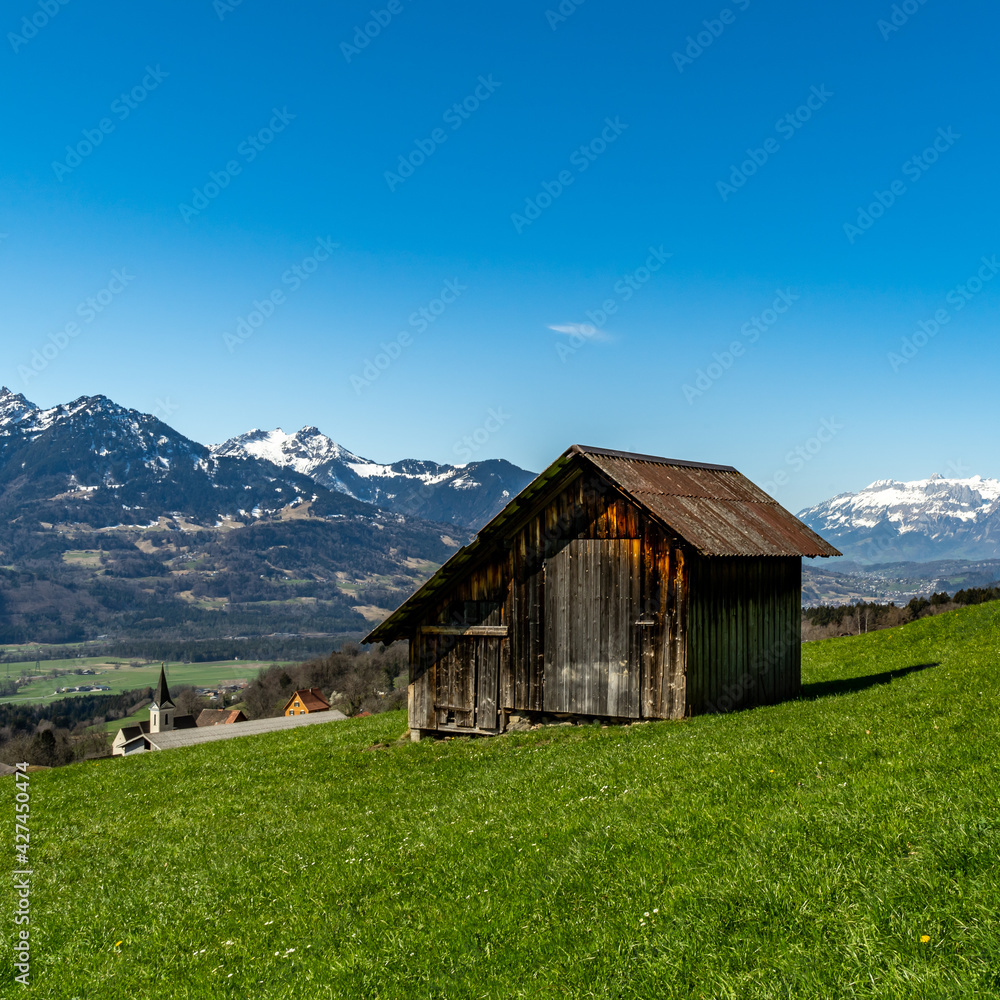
(13, 406)
(305, 452)
(468, 495)
(106, 464)
(110, 431)
(935, 518)
(92, 461)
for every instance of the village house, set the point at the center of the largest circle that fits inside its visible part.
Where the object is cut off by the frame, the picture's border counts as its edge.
(306, 701)
(615, 586)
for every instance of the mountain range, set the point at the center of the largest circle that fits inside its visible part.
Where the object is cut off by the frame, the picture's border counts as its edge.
(113, 522)
(916, 521)
(102, 463)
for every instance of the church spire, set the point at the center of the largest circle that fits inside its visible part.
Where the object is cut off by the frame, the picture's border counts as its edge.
(163, 706)
(162, 695)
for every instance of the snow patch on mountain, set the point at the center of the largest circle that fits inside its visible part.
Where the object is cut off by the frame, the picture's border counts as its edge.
(314, 454)
(13, 406)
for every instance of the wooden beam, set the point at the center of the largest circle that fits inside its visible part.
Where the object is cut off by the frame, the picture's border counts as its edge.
(499, 631)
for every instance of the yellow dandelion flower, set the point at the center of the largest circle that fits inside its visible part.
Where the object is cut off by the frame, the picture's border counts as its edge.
(924, 938)
(118, 944)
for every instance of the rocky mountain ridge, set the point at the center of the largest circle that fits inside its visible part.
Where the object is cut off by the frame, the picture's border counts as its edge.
(918, 521)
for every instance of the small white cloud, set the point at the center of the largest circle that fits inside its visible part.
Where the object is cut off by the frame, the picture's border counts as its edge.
(580, 330)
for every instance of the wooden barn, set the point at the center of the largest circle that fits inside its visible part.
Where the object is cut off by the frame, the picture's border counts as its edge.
(614, 586)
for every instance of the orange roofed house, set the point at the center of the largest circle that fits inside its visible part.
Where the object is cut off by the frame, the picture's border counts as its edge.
(307, 701)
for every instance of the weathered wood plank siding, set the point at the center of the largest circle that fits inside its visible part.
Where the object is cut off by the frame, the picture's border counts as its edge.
(744, 645)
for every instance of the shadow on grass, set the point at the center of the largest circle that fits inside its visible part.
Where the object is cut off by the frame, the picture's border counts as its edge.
(852, 684)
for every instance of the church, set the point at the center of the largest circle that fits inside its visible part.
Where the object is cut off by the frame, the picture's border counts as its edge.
(163, 718)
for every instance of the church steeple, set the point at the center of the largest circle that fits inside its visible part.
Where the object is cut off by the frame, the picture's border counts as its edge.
(161, 712)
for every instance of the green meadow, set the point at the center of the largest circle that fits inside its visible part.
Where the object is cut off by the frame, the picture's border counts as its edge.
(843, 845)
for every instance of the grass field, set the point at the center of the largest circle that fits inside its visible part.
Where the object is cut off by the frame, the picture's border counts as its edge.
(40, 690)
(841, 846)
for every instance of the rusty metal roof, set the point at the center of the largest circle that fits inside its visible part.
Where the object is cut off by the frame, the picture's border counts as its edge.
(713, 508)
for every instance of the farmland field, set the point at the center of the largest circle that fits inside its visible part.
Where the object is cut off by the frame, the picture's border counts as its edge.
(123, 678)
(840, 846)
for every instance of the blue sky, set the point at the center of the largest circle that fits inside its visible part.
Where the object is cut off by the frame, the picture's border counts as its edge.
(705, 169)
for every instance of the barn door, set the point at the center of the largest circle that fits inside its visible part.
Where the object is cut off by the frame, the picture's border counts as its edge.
(592, 640)
(466, 681)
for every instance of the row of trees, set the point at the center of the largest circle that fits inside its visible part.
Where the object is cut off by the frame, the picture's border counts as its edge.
(825, 620)
(57, 733)
(53, 747)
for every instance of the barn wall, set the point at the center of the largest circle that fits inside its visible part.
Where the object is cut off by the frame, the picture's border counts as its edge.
(744, 645)
(510, 591)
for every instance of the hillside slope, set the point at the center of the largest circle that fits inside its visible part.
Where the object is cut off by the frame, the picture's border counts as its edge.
(840, 846)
